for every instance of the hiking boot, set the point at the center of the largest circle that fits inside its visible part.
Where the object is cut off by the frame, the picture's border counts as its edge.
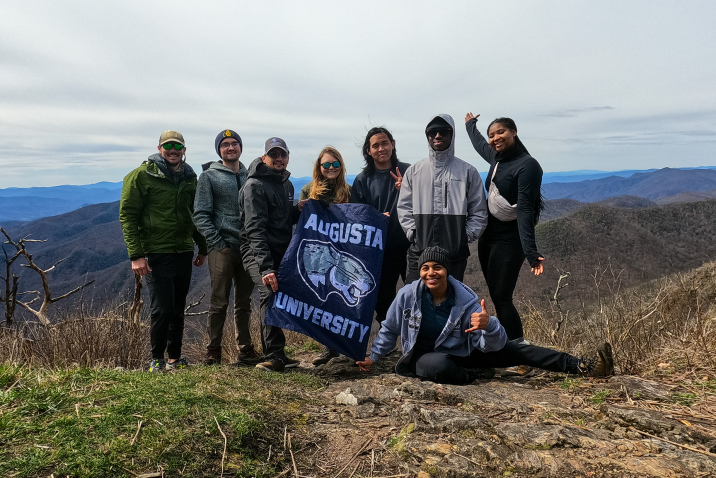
(213, 356)
(272, 365)
(601, 364)
(178, 364)
(480, 373)
(290, 363)
(248, 357)
(325, 357)
(516, 371)
(156, 365)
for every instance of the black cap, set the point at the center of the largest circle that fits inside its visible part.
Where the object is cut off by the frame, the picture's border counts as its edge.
(272, 143)
(227, 133)
(435, 254)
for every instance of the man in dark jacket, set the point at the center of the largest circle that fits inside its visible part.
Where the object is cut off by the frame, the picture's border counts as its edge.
(267, 216)
(216, 215)
(379, 185)
(442, 201)
(155, 213)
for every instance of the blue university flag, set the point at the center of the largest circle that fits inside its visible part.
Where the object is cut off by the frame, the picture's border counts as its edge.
(328, 279)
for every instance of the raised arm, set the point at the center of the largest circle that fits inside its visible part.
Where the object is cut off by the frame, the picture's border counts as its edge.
(479, 142)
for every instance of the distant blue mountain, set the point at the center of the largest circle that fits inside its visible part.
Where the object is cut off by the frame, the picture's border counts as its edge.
(26, 204)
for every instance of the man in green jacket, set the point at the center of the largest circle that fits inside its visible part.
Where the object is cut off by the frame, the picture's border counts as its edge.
(155, 212)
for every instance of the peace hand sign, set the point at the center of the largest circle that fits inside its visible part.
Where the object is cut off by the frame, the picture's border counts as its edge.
(398, 178)
(479, 320)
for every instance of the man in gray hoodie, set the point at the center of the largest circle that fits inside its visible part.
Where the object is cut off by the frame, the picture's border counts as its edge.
(216, 216)
(442, 201)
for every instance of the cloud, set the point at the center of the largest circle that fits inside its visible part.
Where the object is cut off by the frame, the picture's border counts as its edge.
(576, 111)
(87, 87)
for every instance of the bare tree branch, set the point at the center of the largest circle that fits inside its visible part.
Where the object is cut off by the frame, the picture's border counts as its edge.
(55, 299)
(47, 299)
(195, 304)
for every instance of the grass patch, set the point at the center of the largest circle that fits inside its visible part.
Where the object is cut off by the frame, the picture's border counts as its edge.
(569, 383)
(599, 396)
(81, 422)
(311, 346)
(684, 399)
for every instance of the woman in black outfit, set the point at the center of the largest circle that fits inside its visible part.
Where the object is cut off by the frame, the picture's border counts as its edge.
(514, 204)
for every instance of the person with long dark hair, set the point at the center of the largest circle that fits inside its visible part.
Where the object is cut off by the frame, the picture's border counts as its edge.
(514, 205)
(379, 185)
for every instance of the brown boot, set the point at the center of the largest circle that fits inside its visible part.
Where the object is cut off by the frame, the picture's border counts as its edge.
(213, 356)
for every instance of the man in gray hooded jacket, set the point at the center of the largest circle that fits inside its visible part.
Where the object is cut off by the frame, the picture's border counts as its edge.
(442, 201)
(216, 216)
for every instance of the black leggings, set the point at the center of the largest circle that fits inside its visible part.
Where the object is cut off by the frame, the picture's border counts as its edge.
(443, 368)
(501, 258)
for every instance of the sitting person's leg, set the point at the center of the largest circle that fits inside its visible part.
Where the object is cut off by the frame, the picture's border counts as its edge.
(517, 352)
(441, 368)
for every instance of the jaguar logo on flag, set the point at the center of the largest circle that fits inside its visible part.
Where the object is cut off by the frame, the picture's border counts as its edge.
(326, 270)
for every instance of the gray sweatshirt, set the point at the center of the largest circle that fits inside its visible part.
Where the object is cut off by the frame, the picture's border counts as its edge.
(216, 205)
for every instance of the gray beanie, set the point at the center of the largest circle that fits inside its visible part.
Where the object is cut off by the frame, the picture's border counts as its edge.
(435, 254)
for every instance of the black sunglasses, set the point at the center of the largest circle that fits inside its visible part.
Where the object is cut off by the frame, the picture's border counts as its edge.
(336, 164)
(434, 132)
(177, 146)
(277, 154)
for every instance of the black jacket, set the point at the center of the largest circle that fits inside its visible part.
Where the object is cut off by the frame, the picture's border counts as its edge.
(378, 191)
(267, 216)
(519, 179)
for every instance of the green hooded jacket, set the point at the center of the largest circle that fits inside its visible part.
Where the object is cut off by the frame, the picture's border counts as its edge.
(156, 212)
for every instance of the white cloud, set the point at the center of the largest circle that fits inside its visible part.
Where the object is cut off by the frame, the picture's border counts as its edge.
(609, 85)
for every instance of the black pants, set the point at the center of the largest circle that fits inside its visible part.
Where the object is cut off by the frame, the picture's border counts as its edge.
(501, 258)
(168, 285)
(273, 340)
(457, 268)
(394, 267)
(444, 368)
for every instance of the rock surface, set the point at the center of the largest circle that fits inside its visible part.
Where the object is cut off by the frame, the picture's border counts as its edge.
(382, 424)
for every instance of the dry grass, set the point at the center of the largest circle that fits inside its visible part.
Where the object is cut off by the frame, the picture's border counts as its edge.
(667, 325)
(113, 340)
(663, 327)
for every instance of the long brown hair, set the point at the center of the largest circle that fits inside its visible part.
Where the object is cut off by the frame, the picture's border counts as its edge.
(320, 185)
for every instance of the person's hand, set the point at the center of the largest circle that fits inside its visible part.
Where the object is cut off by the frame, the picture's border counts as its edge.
(199, 261)
(539, 268)
(270, 280)
(141, 266)
(364, 365)
(386, 214)
(470, 116)
(301, 203)
(479, 320)
(398, 178)
(225, 250)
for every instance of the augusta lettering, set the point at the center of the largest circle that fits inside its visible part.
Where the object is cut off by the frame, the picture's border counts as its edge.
(342, 232)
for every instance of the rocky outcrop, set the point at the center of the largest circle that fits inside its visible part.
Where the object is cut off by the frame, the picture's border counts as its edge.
(501, 427)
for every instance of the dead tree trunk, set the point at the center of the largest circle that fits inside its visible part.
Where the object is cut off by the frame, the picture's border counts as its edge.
(46, 295)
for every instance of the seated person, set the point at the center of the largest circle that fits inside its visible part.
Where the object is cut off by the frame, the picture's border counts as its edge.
(448, 337)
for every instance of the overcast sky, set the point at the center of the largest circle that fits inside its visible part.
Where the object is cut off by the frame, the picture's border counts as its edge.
(86, 87)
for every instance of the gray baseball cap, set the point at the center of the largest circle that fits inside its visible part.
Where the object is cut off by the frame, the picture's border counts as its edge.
(272, 143)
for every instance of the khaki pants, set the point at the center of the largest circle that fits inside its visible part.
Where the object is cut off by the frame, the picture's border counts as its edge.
(223, 269)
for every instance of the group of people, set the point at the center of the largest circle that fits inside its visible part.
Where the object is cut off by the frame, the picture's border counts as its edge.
(242, 220)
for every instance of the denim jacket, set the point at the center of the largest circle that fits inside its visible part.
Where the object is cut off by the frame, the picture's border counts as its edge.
(404, 318)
